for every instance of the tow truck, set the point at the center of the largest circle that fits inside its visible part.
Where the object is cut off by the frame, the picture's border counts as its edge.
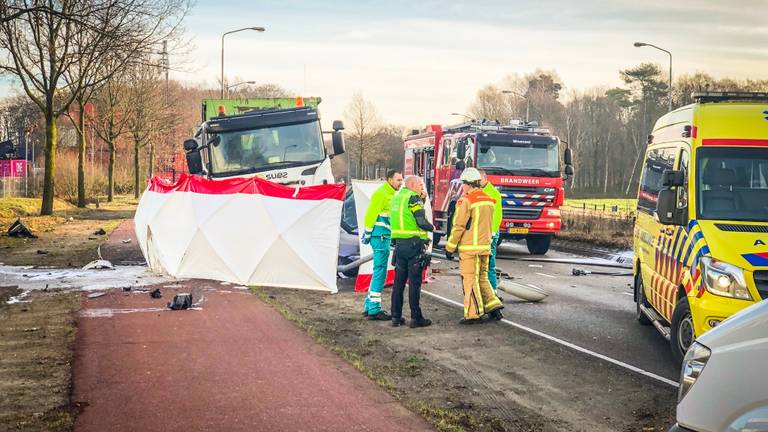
(278, 139)
(521, 159)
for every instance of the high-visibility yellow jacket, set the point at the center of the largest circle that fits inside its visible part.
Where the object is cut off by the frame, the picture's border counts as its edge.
(472, 224)
(494, 193)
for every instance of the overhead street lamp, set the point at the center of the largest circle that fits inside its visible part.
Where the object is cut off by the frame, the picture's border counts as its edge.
(527, 103)
(669, 94)
(258, 29)
(238, 84)
(463, 115)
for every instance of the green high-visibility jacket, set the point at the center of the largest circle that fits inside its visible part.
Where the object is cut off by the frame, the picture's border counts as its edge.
(377, 215)
(492, 192)
(402, 215)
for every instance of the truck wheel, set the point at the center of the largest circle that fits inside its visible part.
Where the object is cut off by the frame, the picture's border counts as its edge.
(682, 333)
(538, 244)
(640, 300)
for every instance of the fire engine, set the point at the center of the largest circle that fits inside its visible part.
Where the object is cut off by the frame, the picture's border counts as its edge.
(521, 160)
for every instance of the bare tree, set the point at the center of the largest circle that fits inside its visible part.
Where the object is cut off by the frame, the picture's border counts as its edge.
(58, 51)
(361, 114)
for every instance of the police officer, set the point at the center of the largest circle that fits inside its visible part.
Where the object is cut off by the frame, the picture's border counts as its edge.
(377, 234)
(471, 235)
(410, 233)
(492, 192)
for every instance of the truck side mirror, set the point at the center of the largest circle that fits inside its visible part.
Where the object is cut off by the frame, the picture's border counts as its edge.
(338, 125)
(568, 170)
(337, 139)
(190, 144)
(568, 157)
(461, 149)
(666, 208)
(195, 162)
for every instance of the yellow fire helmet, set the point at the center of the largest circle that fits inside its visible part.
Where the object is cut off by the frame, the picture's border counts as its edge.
(470, 175)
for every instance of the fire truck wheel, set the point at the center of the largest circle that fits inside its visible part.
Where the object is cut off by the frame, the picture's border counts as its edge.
(640, 300)
(682, 333)
(538, 244)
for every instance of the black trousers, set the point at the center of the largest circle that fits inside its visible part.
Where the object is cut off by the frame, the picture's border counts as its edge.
(407, 267)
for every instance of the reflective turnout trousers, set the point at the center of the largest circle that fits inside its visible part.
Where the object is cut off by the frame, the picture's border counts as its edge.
(479, 298)
(380, 246)
(492, 262)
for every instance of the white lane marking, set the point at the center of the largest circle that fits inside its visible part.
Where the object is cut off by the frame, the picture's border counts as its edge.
(536, 265)
(569, 345)
(533, 286)
(629, 294)
(546, 275)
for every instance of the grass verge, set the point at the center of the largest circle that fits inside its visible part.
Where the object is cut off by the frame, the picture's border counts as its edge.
(36, 352)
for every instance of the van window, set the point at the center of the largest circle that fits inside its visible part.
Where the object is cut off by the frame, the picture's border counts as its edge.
(732, 183)
(656, 162)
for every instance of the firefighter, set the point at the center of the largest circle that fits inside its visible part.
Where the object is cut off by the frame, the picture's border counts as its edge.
(377, 234)
(492, 192)
(410, 233)
(471, 236)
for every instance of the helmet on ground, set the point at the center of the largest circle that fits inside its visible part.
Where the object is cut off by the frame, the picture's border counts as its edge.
(470, 175)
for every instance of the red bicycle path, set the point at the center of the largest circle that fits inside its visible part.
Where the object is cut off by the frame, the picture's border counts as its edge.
(234, 365)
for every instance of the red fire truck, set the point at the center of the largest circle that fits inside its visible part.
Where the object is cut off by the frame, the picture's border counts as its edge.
(521, 160)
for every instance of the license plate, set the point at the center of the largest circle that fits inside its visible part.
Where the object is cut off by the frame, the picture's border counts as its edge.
(518, 230)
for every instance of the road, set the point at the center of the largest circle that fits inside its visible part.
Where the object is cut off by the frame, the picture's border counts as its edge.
(596, 313)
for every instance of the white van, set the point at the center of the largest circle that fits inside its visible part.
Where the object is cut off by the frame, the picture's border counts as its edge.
(723, 383)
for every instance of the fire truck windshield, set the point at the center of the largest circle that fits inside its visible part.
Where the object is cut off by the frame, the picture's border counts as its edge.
(537, 160)
(266, 148)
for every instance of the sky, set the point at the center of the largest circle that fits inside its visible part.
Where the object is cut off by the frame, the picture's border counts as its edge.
(419, 61)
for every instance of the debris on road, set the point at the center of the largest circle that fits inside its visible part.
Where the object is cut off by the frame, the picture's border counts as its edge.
(581, 272)
(526, 292)
(42, 252)
(181, 301)
(19, 230)
(97, 294)
(156, 294)
(126, 241)
(99, 264)
(100, 231)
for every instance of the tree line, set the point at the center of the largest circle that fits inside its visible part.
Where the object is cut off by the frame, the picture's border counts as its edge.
(607, 128)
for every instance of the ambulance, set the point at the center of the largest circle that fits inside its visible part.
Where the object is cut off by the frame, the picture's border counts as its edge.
(701, 234)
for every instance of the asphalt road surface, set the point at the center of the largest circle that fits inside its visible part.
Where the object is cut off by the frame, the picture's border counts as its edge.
(594, 312)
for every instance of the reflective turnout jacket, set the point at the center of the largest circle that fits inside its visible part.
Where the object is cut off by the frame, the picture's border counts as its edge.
(377, 215)
(472, 224)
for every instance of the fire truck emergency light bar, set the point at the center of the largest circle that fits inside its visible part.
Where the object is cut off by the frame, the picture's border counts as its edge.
(492, 126)
(729, 96)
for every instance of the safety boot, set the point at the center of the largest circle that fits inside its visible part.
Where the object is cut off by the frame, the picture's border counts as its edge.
(381, 316)
(422, 322)
(397, 322)
(496, 314)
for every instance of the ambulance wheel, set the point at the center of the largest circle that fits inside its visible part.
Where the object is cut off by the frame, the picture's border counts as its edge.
(682, 334)
(640, 300)
(538, 244)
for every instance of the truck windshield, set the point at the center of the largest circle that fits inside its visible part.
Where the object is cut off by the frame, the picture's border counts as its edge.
(732, 184)
(267, 148)
(538, 160)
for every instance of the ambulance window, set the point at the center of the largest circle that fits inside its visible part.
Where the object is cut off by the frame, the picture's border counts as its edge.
(682, 192)
(656, 162)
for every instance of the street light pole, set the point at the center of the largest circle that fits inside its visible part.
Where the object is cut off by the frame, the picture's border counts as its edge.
(463, 115)
(527, 103)
(669, 94)
(258, 29)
